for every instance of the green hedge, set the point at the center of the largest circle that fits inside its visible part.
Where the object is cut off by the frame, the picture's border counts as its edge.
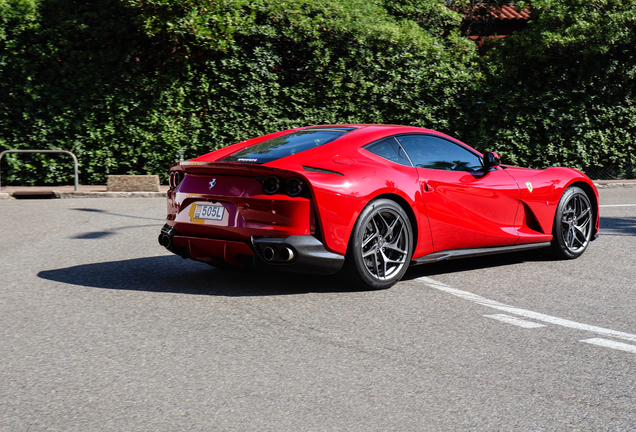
(563, 91)
(130, 86)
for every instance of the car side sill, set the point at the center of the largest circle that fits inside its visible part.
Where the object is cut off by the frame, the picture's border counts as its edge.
(465, 253)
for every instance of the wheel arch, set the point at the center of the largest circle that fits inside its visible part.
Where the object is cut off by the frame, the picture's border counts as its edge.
(593, 196)
(407, 209)
(357, 267)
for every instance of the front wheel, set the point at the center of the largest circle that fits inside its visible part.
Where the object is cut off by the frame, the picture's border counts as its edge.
(572, 230)
(381, 245)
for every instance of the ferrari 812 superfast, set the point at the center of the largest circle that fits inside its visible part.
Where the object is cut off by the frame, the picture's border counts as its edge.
(369, 200)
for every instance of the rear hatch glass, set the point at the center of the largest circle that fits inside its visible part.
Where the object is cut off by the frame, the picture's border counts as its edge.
(287, 145)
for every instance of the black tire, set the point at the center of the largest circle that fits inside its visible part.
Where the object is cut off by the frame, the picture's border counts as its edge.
(381, 245)
(573, 224)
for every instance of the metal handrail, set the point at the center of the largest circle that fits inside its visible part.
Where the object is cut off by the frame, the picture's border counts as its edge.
(44, 151)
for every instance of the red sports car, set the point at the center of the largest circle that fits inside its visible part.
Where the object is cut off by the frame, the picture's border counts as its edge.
(370, 200)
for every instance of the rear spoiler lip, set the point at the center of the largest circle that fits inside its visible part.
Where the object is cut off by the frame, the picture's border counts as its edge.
(228, 168)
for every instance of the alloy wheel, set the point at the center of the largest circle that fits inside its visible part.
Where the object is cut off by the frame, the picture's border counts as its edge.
(576, 223)
(385, 244)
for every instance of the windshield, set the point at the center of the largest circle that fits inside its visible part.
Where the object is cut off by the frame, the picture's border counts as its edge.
(287, 145)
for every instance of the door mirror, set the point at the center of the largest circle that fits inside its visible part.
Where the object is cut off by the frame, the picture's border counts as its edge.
(491, 160)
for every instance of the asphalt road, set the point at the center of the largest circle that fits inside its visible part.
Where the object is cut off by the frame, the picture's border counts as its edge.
(103, 330)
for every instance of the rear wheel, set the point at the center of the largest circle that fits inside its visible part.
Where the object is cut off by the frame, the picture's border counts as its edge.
(381, 245)
(573, 221)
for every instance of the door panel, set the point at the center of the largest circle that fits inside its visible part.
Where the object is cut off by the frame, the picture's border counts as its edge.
(470, 209)
(467, 206)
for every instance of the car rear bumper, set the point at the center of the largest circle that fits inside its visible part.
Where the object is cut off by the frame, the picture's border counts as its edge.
(295, 253)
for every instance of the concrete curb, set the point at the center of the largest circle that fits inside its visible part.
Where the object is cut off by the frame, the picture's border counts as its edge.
(614, 184)
(80, 194)
(65, 195)
(85, 191)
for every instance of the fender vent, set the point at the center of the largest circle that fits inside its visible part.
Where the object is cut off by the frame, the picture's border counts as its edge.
(530, 220)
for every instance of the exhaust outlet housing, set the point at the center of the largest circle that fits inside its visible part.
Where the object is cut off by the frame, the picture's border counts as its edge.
(166, 239)
(296, 253)
(277, 253)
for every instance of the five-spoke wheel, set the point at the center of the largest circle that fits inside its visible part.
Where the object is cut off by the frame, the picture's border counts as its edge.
(381, 244)
(573, 224)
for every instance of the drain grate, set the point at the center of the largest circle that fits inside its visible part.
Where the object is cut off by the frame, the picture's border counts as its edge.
(42, 194)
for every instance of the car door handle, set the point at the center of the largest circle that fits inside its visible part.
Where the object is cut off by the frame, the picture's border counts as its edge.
(428, 187)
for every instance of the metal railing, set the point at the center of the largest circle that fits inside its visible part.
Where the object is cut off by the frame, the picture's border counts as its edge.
(44, 151)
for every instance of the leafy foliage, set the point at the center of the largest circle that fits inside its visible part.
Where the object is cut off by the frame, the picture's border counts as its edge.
(133, 85)
(563, 91)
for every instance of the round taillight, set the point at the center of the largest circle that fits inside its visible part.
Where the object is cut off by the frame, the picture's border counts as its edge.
(271, 185)
(294, 187)
(175, 179)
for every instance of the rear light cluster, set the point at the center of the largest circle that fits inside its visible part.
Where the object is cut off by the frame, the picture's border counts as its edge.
(175, 179)
(292, 187)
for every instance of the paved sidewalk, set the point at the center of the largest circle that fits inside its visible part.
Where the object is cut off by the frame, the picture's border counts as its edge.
(84, 191)
(100, 191)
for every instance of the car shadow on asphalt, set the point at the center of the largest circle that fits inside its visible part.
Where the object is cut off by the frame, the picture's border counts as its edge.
(475, 263)
(618, 226)
(176, 275)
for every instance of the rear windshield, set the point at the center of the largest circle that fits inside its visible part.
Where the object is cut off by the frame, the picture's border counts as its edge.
(287, 145)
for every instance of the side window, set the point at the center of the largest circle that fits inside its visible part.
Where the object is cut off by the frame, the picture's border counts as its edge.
(391, 150)
(432, 152)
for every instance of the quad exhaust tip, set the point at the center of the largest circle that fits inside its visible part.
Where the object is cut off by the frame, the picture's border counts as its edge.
(274, 254)
(165, 237)
(269, 254)
(165, 241)
(286, 254)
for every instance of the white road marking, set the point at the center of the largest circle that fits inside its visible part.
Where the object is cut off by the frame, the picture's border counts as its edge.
(515, 321)
(526, 313)
(611, 344)
(618, 205)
